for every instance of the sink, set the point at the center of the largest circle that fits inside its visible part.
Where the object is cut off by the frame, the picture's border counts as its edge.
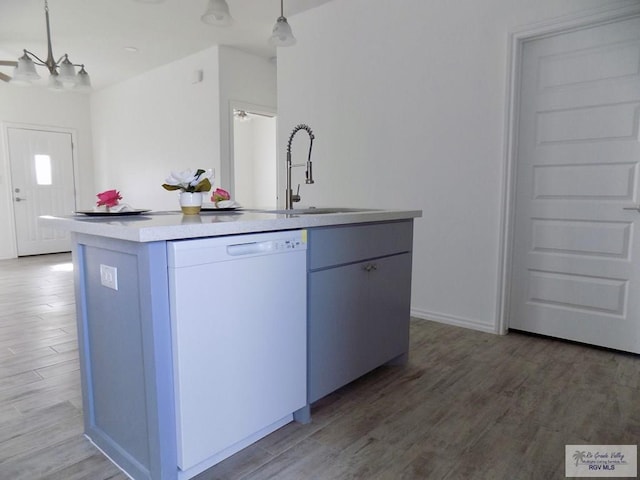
(319, 210)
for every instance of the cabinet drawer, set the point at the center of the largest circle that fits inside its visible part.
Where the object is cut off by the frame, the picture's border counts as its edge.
(340, 245)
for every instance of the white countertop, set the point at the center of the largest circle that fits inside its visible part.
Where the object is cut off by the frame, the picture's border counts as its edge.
(158, 226)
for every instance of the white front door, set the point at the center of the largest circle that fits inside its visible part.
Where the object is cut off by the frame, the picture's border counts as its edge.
(42, 182)
(576, 265)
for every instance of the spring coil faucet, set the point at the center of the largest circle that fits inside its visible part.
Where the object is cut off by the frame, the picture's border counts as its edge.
(290, 197)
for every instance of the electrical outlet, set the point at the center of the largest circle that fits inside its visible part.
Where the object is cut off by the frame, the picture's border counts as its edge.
(109, 276)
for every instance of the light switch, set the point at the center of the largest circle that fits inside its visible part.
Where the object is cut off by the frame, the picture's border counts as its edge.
(109, 276)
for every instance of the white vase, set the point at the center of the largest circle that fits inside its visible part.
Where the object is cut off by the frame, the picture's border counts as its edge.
(191, 202)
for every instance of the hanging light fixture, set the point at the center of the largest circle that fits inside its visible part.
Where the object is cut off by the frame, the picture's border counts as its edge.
(282, 35)
(217, 13)
(61, 73)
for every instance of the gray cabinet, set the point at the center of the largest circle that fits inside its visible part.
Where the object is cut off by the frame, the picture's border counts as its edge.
(359, 294)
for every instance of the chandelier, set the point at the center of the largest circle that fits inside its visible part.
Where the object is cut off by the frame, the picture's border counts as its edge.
(62, 73)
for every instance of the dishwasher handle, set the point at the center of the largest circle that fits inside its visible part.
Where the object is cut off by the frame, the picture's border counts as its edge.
(250, 248)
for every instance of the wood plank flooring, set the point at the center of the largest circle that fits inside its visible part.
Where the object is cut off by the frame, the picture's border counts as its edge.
(468, 405)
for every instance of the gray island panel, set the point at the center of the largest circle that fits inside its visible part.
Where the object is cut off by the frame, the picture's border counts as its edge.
(125, 354)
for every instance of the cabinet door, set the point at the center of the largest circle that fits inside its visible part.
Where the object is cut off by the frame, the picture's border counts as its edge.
(387, 330)
(337, 305)
(358, 320)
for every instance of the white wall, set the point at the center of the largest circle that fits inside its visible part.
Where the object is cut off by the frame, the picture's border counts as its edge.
(407, 103)
(36, 106)
(160, 121)
(244, 79)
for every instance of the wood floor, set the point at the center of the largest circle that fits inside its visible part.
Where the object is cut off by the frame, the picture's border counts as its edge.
(468, 405)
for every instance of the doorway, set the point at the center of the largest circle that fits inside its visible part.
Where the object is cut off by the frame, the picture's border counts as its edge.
(577, 155)
(254, 168)
(42, 183)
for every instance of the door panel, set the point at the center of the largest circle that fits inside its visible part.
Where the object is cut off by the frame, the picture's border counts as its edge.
(42, 179)
(575, 271)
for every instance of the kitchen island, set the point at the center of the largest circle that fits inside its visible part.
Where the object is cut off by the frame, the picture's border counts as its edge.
(135, 386)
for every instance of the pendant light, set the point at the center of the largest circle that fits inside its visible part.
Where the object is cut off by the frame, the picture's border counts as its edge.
(282, 35)
(217, 13)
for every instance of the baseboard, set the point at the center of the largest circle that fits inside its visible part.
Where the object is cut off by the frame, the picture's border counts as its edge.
(456, 321)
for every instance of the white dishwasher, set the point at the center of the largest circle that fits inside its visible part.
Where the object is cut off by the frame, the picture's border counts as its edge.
(238, 320)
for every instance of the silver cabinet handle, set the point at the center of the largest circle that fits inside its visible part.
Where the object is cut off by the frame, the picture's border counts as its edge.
(18, 199)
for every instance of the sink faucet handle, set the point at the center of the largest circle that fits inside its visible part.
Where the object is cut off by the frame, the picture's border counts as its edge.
(309, 173)
(296, 197)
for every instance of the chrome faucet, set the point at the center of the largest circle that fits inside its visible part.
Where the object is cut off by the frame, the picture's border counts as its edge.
(290, 196)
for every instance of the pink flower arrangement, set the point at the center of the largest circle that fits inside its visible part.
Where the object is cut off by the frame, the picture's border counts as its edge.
(108, 198)
(220, 195)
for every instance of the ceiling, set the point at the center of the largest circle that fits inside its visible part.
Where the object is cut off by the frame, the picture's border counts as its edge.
(96, 32)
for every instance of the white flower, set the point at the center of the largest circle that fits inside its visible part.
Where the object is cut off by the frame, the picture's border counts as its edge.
(190, 180)
(181, 179)
(206, 174)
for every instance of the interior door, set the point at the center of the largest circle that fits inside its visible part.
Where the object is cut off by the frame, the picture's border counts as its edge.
(42, 180)
(575, 268)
